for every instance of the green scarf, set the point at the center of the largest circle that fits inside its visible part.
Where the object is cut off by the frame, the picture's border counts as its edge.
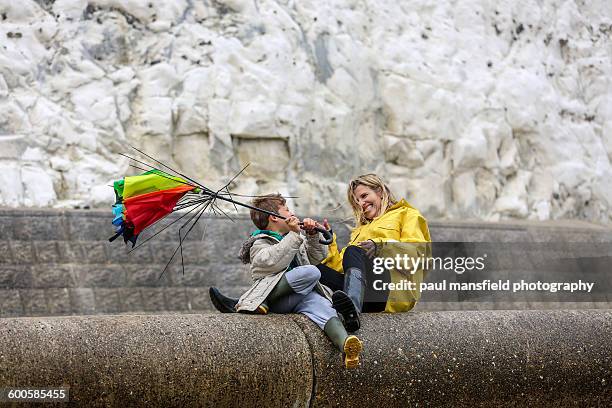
(267, 232)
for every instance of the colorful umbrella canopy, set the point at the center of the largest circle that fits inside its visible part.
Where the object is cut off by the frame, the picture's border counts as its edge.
(144, 199)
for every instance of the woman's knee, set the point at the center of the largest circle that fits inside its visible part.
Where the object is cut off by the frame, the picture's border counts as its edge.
(354, 250)
(354, 257)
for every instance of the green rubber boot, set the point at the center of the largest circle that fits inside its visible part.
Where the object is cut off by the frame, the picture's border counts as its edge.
(351, 346)
(281, 289)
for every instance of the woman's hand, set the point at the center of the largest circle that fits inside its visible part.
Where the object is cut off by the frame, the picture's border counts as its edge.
(369, 247)
(326, 224)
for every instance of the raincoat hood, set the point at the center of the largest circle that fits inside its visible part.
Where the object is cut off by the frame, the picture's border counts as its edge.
(245, 250)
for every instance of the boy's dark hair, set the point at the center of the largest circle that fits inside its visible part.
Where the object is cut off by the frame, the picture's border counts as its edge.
(270, 202)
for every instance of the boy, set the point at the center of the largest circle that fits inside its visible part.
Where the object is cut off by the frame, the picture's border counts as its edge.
(284, 277)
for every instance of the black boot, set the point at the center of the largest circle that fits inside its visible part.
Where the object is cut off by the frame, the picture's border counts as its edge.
(354, 289)
(346, 309)
(222, 303)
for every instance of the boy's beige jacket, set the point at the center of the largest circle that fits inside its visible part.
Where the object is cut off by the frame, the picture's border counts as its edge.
(270, 258)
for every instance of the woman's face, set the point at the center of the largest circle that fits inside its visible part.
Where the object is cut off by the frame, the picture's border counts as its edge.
(369, 201)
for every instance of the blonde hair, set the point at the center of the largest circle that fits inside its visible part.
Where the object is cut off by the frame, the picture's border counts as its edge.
(374, 182)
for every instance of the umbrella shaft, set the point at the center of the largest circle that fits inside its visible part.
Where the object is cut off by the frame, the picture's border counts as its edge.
(251, 207)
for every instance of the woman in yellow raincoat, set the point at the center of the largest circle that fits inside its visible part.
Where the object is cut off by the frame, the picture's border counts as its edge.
(385, 228)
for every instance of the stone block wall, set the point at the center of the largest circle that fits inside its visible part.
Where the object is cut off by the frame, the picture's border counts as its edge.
(59, 262)
(55, 262)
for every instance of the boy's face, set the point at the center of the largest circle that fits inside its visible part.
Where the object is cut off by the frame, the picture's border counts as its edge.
(278, 224)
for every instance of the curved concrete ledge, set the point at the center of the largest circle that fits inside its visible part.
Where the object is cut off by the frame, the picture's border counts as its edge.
(480, 358)
(494, 358)
(161, 360)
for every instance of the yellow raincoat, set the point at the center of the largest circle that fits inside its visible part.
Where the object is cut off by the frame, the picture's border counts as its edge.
(400, 223)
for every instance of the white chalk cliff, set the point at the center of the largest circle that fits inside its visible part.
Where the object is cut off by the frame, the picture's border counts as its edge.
(469, 108)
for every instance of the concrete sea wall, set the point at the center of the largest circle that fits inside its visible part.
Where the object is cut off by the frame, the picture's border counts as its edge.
(460, 359)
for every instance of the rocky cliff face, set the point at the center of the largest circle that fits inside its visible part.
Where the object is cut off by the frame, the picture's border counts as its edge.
(468, 108)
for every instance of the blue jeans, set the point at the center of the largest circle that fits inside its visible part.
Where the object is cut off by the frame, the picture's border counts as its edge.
(305, 300)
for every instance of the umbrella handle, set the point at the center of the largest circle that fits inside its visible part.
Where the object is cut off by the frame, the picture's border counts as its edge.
(328, 236)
